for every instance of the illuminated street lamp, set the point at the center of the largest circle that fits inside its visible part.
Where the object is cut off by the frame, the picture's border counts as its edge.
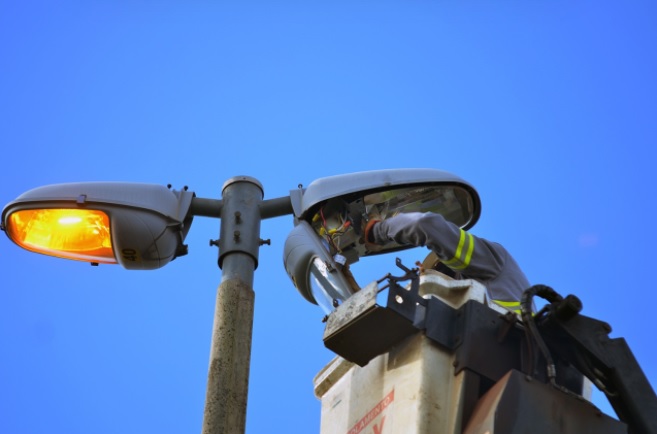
(140, 226)
(143, 226)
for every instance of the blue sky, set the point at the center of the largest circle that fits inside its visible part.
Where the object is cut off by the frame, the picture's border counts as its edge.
(548, 108)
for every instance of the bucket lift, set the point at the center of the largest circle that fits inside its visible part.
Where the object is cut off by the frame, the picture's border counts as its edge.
(438, 356)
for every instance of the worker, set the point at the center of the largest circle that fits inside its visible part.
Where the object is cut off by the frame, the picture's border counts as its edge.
(464, 255)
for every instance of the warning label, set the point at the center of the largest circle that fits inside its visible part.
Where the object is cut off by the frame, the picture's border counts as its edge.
(372, 415)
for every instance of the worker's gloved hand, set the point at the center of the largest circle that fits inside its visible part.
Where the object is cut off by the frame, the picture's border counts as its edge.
(377, 237)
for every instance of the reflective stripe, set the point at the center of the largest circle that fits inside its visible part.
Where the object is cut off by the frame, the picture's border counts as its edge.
(507, 303)
(468, 256)
(458, 263)
(511, 305)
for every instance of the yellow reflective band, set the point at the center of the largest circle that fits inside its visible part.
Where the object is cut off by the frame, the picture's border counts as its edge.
(457, 255)
(458, 249)
(468, 256)
(513, 306)
(507, 303)
(459, 263)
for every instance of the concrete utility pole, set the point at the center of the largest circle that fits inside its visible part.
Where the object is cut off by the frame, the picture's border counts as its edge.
(230, 353)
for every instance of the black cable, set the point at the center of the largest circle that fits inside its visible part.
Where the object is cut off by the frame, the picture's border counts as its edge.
(529, 319)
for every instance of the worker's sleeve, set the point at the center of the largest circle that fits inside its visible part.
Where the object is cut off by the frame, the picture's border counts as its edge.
(456, 248)
(471, 256)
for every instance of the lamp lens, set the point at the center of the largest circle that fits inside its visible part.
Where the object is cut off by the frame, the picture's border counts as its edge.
(79, 234)
(326, 285)
(454, 203)
(339, 222)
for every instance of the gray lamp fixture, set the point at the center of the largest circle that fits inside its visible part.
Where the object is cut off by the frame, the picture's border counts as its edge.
(332, 212)
(140, 226)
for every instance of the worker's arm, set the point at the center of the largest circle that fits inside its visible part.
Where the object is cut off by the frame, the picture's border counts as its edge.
(473, 257)
(456, 248)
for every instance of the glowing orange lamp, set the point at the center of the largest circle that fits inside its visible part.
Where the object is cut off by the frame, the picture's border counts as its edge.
(140, 226)
(66, 233)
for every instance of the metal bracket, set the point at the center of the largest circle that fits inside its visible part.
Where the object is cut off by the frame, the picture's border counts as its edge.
(405, 300)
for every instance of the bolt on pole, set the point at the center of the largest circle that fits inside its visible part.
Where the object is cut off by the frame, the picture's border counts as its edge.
(230, 352)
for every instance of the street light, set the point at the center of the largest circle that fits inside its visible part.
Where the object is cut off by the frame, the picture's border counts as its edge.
(332, 212)
(139, 226)
(143, 226)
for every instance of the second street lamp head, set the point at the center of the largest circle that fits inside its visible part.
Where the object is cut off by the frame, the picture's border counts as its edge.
(140, 226)
(336, 209)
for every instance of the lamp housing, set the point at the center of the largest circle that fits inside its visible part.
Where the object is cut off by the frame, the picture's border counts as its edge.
(339, 207)
(317, 275)
(331, 214)
(139, 226)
